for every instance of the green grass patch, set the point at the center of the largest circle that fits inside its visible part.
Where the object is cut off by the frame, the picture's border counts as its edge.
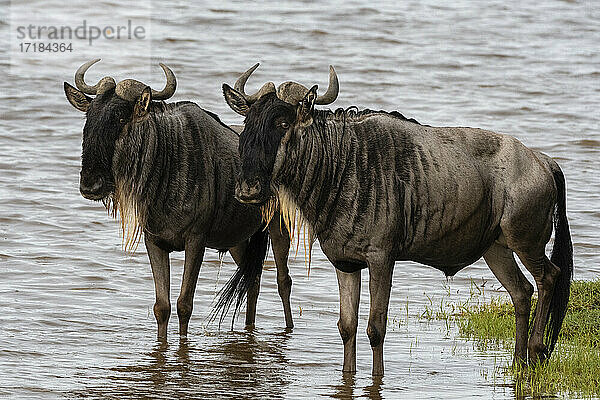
(574, 367)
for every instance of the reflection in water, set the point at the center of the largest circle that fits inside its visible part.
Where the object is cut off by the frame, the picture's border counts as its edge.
(345, 390)
(347, 387)
(159, 358)
(373, 391)
(223, 365)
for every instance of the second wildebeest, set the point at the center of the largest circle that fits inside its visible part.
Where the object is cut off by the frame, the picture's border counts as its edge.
(169, 170)
(377, 188)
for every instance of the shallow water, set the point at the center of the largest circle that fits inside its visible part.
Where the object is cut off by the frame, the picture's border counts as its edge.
(76, 310)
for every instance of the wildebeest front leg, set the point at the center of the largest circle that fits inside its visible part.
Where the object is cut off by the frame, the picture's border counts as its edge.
(380, 285)
(237, 253)
(280, 238)
(194, 254)
(159, 261)
(502, 262)
(349, 286)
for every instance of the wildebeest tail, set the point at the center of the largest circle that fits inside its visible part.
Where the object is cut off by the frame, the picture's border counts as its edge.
(250, 269)
(562, 257)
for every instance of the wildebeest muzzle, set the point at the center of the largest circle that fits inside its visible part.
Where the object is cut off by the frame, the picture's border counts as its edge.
(249, 191)
(92, 186)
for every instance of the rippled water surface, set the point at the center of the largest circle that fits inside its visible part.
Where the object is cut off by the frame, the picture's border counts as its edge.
(76, 310)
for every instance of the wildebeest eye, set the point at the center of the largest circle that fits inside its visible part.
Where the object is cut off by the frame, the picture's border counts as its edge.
(284, 125)
(122, 121)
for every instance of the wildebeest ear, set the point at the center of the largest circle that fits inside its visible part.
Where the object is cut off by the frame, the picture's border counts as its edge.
(77, 98)
(306, 107)
(143, 103)
(236, 100)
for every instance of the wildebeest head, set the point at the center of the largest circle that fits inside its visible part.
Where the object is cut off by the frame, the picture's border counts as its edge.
(290, 92)
(265, 130)
(108, 115)
(270, 125)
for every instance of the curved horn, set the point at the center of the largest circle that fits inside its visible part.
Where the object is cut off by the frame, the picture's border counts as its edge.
(332, 90)
(241, 83)
(170, 87)
(80, 82)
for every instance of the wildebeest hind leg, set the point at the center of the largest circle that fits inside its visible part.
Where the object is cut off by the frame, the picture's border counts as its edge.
(281, 246)
(501, 261)
(159, 261)
(194, 254)
(545, 274)
(349, 286)
(380, 285)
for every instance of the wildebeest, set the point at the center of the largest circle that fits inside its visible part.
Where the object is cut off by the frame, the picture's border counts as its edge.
(169, 170)
(376, 187)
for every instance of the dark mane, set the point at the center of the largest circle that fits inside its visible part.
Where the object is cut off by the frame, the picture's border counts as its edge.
(354, 112)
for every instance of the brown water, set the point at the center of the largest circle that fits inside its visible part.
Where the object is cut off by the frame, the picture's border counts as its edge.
(75, 310)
